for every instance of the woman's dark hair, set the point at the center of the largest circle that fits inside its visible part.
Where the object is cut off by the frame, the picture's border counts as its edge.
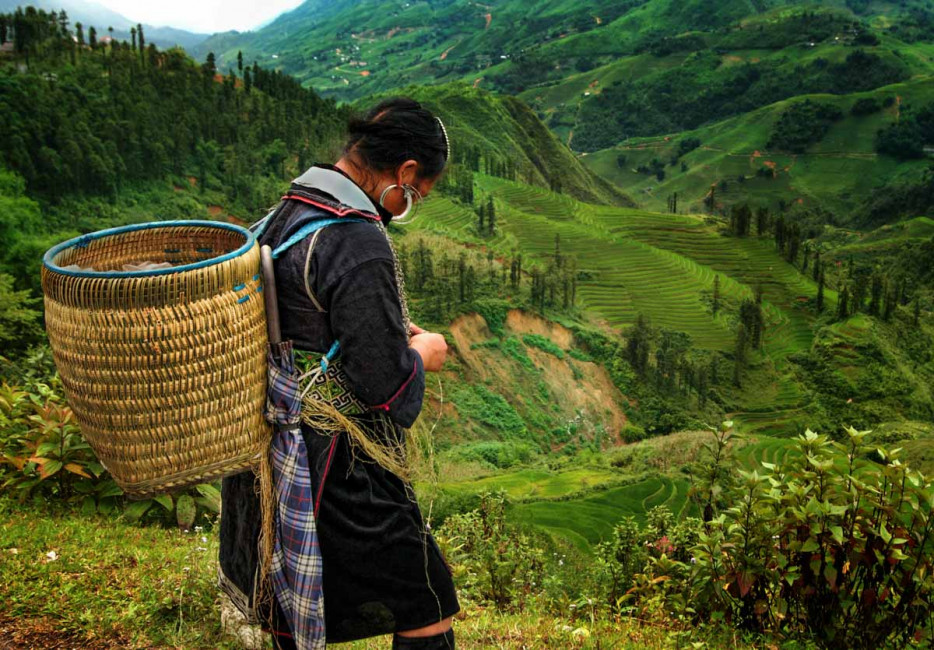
(396, 130)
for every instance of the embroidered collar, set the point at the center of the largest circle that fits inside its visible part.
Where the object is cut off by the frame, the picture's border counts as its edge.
(339, 186)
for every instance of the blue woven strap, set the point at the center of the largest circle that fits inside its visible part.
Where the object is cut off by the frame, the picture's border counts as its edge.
(308, 229)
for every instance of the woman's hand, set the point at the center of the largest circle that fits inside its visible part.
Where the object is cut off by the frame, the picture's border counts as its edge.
(431, 347)
(415, 329)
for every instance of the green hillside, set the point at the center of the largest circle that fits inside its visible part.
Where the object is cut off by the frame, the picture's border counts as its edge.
(663, 266)
(733, 155)
(489, 131)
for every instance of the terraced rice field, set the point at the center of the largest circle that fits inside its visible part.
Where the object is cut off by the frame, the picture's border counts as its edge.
(589, 520)
(537, 483)
(663, 266)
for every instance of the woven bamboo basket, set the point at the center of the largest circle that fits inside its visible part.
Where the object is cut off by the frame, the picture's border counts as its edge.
(165, 369)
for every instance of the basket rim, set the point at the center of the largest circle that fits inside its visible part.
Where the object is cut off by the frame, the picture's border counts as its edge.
(48, 260)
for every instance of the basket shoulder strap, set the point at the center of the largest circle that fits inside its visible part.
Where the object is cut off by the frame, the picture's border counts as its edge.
(308, 229)
(311, 249)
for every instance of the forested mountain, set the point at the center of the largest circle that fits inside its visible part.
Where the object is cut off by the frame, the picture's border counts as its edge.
(85, 125)
(350, 49)
(102, 19)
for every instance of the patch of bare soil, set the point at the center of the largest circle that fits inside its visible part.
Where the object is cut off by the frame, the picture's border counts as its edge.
(31, 633)
(521, 322)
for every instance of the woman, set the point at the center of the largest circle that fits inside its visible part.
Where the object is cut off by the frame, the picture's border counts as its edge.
(382, 571)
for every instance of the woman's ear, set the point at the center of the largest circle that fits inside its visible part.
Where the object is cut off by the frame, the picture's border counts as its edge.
(407, 172)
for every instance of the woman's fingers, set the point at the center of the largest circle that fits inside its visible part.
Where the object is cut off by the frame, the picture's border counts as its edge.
(432, 348)
(415, 329)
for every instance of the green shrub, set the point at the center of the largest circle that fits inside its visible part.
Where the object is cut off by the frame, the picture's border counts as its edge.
(492, 561)
(826, 545)
(494, 453)
(511, 347)
(43, 456)
(480, 403)
(632, 433)
(580, 355)
(494, 312)
(543, 343)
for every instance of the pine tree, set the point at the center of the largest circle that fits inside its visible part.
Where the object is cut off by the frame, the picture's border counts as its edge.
(702, 387)
(889, 301)
(842, 304)
(142, 43)
(875, 295)
(240, 61)
(491, 215)
(716, 294)
(820, 293)
(79, 33)
(739, 355)
(92, 38)
(462, 277)
(133, 36)
(638, 345)
(818, 268)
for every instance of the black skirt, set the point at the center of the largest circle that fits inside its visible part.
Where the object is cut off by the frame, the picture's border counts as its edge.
(383, 571)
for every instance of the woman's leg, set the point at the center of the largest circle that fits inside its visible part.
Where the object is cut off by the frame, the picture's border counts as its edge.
(438, 636)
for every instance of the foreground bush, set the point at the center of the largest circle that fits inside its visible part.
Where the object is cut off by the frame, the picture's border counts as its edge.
(44, 456)
(827, 545)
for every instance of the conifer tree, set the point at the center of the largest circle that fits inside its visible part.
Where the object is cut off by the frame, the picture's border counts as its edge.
(739, 355)
(133, 37)
(491, 215)
(875, 295)
(240, 61)
(820, 293)
(142, 43)
(716, 294)
(842, 304)
(92, 38)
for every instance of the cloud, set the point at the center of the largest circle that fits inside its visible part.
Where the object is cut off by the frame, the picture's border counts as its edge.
(203, 15)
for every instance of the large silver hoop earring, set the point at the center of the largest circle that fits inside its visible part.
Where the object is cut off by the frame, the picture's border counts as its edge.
(408, 193)
(413, 199)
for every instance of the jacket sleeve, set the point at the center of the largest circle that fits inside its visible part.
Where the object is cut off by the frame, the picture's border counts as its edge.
(366, 318)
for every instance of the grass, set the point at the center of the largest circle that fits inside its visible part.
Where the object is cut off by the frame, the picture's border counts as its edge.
(590, 519)
(109, 581)
(117, 586)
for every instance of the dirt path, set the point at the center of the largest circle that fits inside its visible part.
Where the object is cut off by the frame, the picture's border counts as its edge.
(444, 54)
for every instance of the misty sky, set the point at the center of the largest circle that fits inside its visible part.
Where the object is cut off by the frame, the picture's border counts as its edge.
(201, 15)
